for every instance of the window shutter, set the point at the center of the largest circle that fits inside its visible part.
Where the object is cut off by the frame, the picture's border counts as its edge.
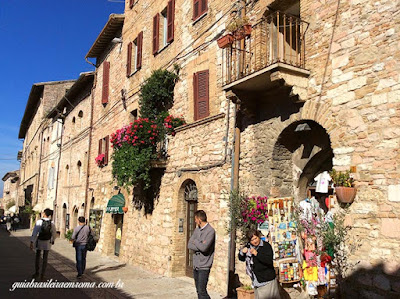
(131, 4)
(195, 95)
(129, 60)
(196, 9)
(170, 20)
(203, 7)
(202, 103)
(156, 37)
(106, 82)
(139, 50)
(100, 144)
(107, 141)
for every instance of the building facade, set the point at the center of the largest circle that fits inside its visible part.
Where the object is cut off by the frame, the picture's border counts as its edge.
(10, 190)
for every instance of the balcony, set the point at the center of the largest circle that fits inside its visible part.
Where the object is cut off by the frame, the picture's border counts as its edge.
(274, 51)
(162, 154)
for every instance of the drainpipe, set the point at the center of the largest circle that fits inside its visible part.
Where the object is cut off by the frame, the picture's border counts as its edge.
(58, 166)
(89, 146)
(40, 167)
(234, 186)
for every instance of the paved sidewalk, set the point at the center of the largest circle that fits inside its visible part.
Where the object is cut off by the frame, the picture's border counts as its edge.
(138, 283)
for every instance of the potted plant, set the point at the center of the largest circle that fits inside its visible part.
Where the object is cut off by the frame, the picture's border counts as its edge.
(240, 27)
(100, 159)
(245, 292)
(225, 41)
(344, 186)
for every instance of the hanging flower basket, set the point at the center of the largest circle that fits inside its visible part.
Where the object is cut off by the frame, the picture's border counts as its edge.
(225, 41)
(345, 194)
(100, 160)
(243, 32)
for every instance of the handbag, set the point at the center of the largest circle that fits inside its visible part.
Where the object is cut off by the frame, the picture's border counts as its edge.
(91, 242)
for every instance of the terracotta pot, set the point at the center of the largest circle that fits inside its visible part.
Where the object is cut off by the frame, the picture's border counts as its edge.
(345, 194)
(225, 41)
(125, 209)
(243, 32)
(244, 294)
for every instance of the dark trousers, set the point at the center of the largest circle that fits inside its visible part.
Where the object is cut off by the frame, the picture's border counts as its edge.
(37, 261)
(80, 251)
(201, 280)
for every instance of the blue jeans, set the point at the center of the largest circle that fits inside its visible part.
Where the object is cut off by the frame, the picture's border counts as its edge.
(80, 251)
(201, 280)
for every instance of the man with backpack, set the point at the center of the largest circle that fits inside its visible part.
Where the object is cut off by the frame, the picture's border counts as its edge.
(43, 236)
(83, 241)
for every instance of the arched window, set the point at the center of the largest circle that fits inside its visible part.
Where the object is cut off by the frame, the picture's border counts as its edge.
(80, 113)
(73, 119)
(79, 165)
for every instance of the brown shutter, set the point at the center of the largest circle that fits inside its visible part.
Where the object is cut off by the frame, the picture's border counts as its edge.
(203, 7)
(107, 140)
(106, 82)
(202, 94)
(139, 46)
(129, 61)
(156, 37)
(195, 95)
(196, 9)
(131, 4)
(170, 20)
(100, 144)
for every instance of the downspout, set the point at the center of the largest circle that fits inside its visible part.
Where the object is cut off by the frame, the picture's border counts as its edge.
(40, 167)
(90, 145)
(234, 187)
(58, 166)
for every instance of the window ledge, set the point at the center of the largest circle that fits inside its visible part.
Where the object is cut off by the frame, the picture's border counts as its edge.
(163, 48)
(134, 73)
(200, 18)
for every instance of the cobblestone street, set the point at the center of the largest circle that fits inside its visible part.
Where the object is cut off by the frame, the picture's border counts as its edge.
(18, 266)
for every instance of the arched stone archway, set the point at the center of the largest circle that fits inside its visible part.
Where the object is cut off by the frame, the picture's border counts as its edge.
(301, 151)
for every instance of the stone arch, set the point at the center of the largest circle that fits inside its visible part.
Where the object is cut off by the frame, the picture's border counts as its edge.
(301, 151)
(74, 218)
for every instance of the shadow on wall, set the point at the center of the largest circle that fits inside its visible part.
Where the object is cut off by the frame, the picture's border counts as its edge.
(377, 282)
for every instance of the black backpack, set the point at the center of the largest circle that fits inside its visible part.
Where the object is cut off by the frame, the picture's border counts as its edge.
(91, 243)
(45, 230)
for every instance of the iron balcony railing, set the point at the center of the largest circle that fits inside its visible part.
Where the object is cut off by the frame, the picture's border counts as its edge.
(278, 37)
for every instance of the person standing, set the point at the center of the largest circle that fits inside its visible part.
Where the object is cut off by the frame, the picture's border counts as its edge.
(202, 242)
(16, 222)
(80, 239)
(8, 223)
(258, 255)
(43, 236)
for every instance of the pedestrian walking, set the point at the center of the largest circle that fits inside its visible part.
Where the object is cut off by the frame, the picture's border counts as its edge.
(16, 222)
(43, 236)
(8, 223)
(258, 256)
(202, 242)
(80, 238)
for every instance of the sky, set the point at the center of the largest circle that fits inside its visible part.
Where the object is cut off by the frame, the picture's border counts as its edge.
(42, 40)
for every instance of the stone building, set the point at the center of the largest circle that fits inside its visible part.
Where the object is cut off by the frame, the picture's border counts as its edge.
(35, 130)
(69, 159)
(10, 189)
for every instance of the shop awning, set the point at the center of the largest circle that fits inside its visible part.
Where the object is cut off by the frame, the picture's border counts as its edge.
(13, 209)
(115, 204)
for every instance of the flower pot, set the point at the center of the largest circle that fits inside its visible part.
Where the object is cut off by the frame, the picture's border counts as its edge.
(243, 32)
(125, 209)
(345, 194)
(225, 41)
(242, 293)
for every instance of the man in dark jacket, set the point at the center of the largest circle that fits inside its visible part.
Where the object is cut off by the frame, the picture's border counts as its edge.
(260, 266)
(202, 242)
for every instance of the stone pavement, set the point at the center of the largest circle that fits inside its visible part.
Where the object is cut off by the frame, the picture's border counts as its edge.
(137, 282)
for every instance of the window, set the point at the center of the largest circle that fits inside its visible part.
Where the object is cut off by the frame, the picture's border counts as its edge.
(103, 148)
(134, 114)
(167, 27)
(50, 184)
(79, 165)
(200, 7)
(106, 82)
(201, 94)
(80, 114)
(135, 49)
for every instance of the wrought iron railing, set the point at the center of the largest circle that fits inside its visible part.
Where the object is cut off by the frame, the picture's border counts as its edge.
(278, 37)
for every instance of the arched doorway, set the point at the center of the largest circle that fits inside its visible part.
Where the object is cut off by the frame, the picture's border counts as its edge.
(64, 219)
(302, 151)
(190, 196)
(74, 222)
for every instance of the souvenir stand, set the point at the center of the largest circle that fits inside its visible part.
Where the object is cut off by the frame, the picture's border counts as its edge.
(283, 239)
(300, 258)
